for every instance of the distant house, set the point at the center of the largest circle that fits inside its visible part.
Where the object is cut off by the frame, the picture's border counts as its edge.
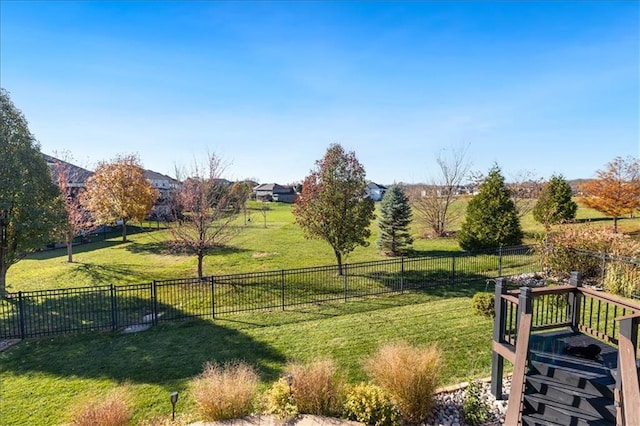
(275, 192)
(375, 191)
(76, 176)
(164, 184)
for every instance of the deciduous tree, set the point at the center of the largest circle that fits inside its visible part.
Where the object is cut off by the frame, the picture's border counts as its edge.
(78, 218)
(554, 204)
(30, 206)
(208, 210)
(117, 191)
(395, 217)
(332, 205)
(616, 190)
(432, 203)
(491, 219)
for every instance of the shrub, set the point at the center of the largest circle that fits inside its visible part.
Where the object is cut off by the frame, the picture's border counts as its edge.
(484, 304)
(622, 279)
(278, 400)
(317, 388)
(110, 411)
(559, 255)
(223, 392)
(474, 409)
(409, 374)
(370, 404)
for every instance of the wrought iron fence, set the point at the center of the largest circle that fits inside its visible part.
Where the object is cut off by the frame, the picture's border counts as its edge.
(617, 274)
(113, 307)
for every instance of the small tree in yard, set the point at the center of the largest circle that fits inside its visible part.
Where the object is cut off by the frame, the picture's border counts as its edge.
(31, 210)
(332, 205)
(616, 190)
(433, 203)
(554, 204)
(78, 219)
(491, 219)
(395, 217)
(209, 211)
(119, 191)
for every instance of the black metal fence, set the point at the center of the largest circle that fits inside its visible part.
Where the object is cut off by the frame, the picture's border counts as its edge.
(111, 307)
(617, 274)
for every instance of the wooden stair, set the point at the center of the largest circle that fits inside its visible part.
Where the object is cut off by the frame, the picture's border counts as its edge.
(565, 390)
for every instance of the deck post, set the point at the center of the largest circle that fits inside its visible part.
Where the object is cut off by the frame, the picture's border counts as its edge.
(627, 380)
(525, 313)
(575, 281)
(497, 361)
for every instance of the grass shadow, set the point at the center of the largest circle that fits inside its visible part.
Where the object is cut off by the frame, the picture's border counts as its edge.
(168, 352)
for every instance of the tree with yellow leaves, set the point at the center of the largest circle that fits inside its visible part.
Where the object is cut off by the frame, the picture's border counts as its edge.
(616, 190)
(118, 190)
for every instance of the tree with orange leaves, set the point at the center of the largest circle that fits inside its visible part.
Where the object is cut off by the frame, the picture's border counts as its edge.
(616, 190)
(119, 191)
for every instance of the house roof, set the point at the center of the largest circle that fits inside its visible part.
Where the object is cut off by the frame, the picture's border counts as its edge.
(76, 175)
(151, 175)
(274, 188)
(373, 185)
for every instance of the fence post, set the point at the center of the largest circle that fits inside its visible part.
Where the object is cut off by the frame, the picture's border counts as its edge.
(500, 261)
(346, 278)
(603, 268)
(282, 286)
(497, 361)
(213, 298)
(402, 274)
(154, 302)
(21, 315)
(574, 300)
(114, 308)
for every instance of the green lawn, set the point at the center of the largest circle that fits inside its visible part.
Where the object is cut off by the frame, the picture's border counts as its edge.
(281, 245)
(42, 378)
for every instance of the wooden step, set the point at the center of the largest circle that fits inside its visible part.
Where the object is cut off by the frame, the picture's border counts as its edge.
(567, 396)
(553, 412)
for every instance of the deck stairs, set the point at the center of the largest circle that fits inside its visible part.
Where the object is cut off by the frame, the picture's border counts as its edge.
(566, 390)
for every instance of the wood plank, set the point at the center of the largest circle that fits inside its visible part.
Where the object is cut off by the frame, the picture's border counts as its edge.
(505, 351)
(514, 407)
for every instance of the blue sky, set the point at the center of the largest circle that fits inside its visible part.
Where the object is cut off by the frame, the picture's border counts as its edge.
(547, 87)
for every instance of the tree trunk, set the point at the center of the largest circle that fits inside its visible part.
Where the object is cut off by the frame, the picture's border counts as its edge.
(339, 260)
(200, 258)
(124, 231)
(3, 278)
(69, 247)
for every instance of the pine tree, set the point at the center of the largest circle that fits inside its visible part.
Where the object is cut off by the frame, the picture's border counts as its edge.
(492, 219)
(395, 217)
(554, 204)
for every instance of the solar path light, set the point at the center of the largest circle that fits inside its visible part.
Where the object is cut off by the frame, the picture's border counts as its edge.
(174, 399)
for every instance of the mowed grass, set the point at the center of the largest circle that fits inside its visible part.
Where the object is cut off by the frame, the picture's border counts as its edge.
(254, 247)
(40, 379)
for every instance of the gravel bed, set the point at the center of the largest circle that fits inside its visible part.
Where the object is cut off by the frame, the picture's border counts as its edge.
(448, 406)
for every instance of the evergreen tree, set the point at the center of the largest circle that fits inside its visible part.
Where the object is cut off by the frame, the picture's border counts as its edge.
(491, 219)
(554, 204)
(395, 217)
(31, 210)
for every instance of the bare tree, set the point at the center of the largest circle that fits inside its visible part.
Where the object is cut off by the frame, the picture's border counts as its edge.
(207, 210)
(264, 209)
(525, 189)
(433, 201)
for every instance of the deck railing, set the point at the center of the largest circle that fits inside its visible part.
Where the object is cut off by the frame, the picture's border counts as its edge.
(601, 315)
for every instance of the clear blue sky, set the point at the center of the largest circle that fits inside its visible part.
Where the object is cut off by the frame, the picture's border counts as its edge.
(548, 87)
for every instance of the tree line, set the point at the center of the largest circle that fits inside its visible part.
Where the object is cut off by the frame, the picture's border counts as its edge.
(332, 205)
